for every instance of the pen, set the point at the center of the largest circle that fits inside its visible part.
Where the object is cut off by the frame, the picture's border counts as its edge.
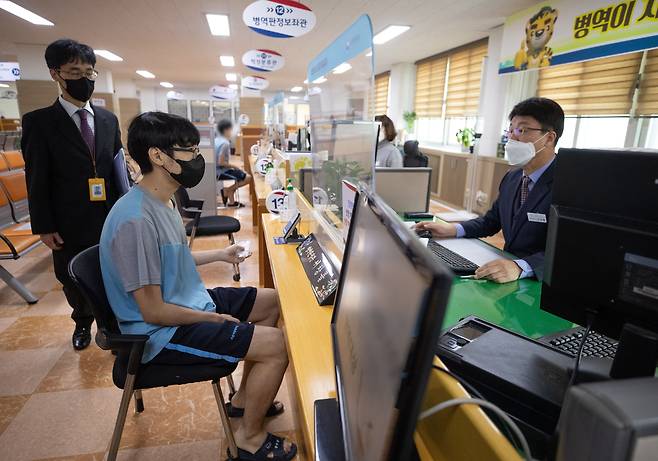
(467, 276)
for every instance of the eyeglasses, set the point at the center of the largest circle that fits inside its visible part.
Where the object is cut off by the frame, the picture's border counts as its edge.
(194, 151)
(91, 74)
(520, 131)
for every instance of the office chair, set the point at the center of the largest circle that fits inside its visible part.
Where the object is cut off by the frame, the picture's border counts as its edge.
(128, 372)
(206, 225)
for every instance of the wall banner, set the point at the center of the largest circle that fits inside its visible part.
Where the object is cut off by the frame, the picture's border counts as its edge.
(565, 31)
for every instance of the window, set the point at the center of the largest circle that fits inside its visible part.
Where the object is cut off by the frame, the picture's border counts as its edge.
(598, 99)
(448, 93)
(177, 107)
(381, 93)
(200, 111)
(652, 135)
(598, 87)
(464, 75)
(648, 97)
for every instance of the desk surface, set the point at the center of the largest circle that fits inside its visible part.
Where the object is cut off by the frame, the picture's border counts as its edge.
(464, 433)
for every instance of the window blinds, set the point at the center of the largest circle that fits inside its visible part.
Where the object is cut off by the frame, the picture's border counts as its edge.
(430, 87)
(464, 75)
(381, 93)
(598, 87)
(647, 103)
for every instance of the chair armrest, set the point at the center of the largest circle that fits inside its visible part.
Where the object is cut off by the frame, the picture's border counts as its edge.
(120, 342)
(195, 203)
(133, 344)
(10, 245)
(192, 210)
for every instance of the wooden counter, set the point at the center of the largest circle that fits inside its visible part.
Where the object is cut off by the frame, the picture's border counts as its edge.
(463, 433)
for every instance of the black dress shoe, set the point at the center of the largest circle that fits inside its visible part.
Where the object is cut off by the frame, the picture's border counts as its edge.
(81, 338)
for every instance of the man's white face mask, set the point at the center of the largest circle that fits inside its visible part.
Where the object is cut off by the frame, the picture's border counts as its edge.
(520, 153)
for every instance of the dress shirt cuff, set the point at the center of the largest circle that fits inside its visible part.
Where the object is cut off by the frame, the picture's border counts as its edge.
(460, 231)
(526, 269)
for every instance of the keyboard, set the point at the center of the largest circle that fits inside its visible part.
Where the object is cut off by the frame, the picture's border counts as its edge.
(458, 264)
(596, 345)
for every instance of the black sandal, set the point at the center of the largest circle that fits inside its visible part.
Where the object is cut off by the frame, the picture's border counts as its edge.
(236, 412)
(235, 204)
(273, 445)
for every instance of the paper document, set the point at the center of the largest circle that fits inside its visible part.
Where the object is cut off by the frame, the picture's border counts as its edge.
(472, 249)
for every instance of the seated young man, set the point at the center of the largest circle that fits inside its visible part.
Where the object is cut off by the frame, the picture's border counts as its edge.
(154, 288)
(524, 200)
(226, 171)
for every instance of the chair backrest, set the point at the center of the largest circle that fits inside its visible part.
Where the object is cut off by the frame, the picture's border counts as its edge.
(14, 159)
(182, 202)
(85, 270)
(16, 188)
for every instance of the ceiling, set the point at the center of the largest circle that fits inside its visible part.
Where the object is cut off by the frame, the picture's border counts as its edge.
(171, 37)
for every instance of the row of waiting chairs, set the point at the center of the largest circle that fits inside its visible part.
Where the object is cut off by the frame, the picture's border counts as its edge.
(11, 160)
(16, 237)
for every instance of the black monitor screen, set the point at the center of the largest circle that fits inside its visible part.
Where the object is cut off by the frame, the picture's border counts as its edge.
(387, 317)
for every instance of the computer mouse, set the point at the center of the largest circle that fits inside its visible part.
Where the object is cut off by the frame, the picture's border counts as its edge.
(424, 233)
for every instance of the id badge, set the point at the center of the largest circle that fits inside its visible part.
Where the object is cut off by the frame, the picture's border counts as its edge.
(537, 217)
(97, 189)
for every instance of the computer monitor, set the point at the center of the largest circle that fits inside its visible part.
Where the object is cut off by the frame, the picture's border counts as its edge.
(389, 307)
(306, 183)
(601, 260)
(404, 189)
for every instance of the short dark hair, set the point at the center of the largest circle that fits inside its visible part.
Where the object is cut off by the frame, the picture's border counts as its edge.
(157, 129)
(547, 112)
(389, 127)
(224, 125)
(63, 51)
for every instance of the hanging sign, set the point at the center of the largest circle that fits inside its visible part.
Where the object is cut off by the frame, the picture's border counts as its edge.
(279, 18)
(564, 31)
(222, 92)
(243, 119)
(254, 82)
(10, 71)
(263, 60)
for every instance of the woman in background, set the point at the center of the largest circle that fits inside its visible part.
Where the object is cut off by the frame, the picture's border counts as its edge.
(388, 156)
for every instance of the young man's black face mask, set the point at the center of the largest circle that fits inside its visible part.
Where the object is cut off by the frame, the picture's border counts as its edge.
(191, 171)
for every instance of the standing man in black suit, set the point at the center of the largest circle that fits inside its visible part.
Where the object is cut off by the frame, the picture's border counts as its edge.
(70, 165)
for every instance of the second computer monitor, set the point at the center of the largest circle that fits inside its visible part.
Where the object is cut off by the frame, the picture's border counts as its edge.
(404, 189)
(388, 312)
(602, 242)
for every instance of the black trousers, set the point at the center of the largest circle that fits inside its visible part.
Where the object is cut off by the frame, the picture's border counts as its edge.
(82, 314)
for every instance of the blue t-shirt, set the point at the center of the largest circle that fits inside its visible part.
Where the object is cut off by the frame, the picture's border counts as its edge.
(144, 243)
(222, 152)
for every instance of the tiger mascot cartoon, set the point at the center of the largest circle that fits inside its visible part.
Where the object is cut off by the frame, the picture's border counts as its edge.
(538, 32)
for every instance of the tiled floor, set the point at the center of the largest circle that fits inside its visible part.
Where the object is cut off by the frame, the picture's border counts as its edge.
(57, 404)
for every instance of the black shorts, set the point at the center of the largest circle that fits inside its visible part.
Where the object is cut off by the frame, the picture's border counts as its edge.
(210, 343)
(232, 174)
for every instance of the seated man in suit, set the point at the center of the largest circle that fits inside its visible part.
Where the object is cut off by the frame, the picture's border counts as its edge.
(524, 199)
(154, 288)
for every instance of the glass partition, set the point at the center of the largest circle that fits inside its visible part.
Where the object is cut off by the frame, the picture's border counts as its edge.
(343, 133)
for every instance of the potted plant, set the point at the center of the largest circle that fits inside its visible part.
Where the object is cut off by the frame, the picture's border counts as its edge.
(465, 137)
(409, 119)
